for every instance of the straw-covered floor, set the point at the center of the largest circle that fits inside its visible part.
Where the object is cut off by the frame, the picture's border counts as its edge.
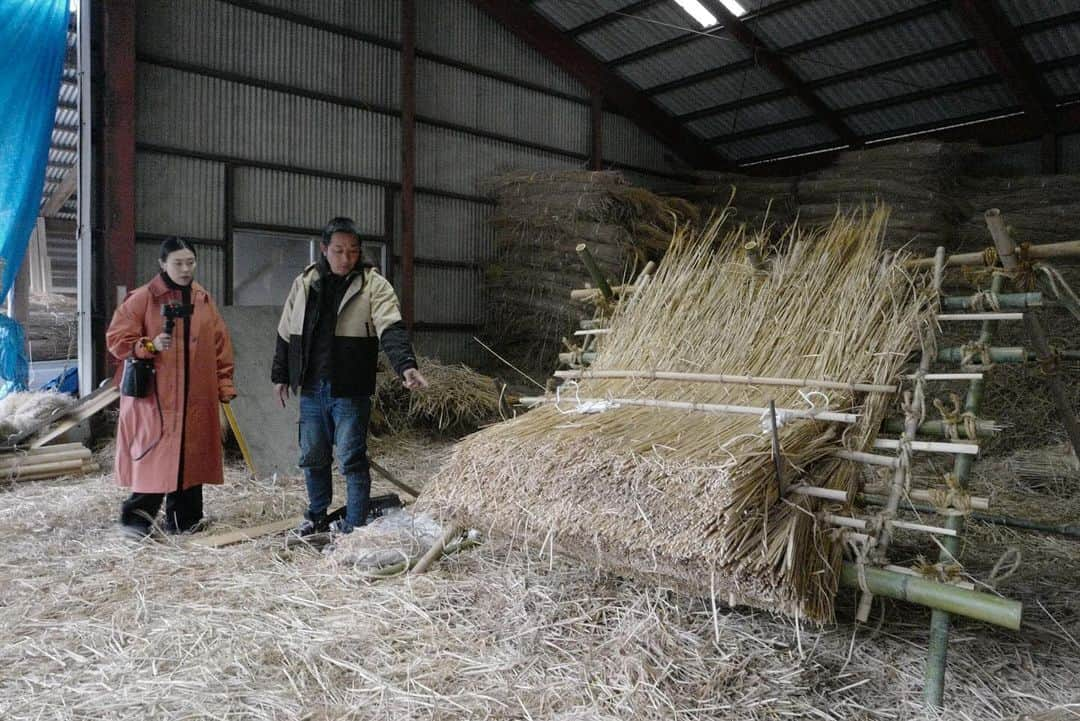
(690, 498)
(95, 627)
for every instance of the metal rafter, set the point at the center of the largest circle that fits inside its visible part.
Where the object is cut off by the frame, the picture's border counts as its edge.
(618, 94)
(772, 62)
(1001, 45)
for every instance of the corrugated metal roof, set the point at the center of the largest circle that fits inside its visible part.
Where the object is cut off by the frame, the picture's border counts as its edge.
(569, 15)
(778, 142)
(641, 30)
(699, 55)
(767, 113)
(1021, 12)
(957, 67)
(1056, 42)
(1064, 82)
(943, 109)
(896, 41)
(724, 88)
(816, 18)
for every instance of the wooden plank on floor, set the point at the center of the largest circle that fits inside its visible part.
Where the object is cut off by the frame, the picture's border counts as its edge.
(220, 540)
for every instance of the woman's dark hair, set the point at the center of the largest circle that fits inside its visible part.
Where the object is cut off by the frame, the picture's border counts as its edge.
(172, 244)
(340, 225)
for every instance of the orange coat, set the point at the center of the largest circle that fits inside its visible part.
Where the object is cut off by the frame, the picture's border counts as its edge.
(211, 369)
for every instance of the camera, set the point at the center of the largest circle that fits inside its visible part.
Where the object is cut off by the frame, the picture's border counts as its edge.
(171, 311)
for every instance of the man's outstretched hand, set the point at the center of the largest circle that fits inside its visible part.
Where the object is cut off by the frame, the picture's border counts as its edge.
(414, 380)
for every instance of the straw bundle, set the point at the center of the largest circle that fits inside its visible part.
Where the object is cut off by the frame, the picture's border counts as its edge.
(21, 412)
(918, 181)
(540, 219)
(690, 498)
(1038, 209)
(458, 399)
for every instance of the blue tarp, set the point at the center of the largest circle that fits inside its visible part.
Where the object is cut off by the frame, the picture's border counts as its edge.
(33, 41)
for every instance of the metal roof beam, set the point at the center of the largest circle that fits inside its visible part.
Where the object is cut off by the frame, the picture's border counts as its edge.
(837, 36)
(1001, 45)
(782, 72)
(609, 18)
(617, 93)
(867, 72)
(713, 31)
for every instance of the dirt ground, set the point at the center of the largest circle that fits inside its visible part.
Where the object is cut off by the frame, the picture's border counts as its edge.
(95, 626)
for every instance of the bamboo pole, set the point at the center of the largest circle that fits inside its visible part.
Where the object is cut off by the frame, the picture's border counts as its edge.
(753, 255)
(594, 271)
(871, 459)
(30, 461)
(938, 596)
(1004, 300)
(393, 479)
(938, 645)
(1066, 249)
(980, 316)
(436, 551)
(924, 494)
(593, 331)
(832, 416)
(983, 427)
(912, 572)
(911, 423)
(893, 444)
(946, 376)
(1002, 354)
(1070, 530)
(829, 494)
(32, 475)
(655, 375)
(44, 470)
(862, 524)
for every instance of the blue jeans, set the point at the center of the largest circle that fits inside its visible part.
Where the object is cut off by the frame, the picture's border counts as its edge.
(325, 422)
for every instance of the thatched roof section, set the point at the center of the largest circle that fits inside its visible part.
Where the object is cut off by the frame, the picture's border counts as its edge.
(690, 499)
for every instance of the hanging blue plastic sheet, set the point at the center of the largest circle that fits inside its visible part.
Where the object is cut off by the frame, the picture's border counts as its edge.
(33, 41)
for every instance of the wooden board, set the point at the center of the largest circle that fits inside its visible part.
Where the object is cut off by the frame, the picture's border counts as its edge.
(88, 407)
(220, 540)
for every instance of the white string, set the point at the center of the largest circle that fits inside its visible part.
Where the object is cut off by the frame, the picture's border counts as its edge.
(580, 406)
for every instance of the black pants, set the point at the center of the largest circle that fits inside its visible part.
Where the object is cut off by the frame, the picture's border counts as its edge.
(183, 509)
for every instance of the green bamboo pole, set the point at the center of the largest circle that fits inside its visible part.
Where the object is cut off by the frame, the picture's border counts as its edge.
(941, 597)
(938, 646)
(594, 271)
(1006, 354)
(983, 428)
(1005, 300)
(1062, 529)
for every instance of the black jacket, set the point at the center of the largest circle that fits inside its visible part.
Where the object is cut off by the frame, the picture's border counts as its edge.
(367, 316)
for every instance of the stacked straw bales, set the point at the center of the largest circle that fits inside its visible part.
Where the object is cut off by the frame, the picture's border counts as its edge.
(918, 180)
(540, 220)
(691, 499)
(1037, 208)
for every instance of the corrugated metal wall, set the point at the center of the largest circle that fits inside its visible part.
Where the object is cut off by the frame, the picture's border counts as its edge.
(283, 114)
(275, 197)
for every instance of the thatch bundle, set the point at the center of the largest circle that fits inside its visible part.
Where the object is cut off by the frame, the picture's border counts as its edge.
(918, 180)
(1037, 209)
(457, 400)
(540, 219)
(691, 499)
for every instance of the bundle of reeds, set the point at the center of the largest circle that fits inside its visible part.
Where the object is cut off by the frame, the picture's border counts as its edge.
(458, 399)
(917, 179)
(688, 498)
(540, 219)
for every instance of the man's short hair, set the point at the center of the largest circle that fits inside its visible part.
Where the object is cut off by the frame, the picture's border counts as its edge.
(340, 225)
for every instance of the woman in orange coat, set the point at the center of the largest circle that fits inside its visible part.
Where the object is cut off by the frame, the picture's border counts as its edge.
(168, 443)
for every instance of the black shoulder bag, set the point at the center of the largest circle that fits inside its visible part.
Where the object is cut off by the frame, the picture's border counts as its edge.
(138, 377)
